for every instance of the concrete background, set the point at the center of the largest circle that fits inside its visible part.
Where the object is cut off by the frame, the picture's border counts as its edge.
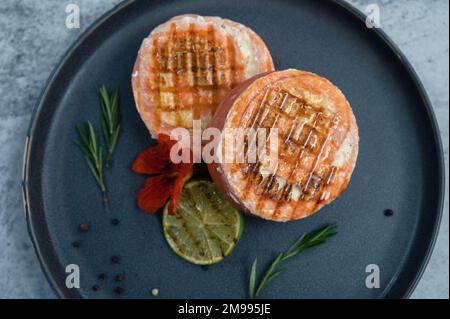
(33, 38)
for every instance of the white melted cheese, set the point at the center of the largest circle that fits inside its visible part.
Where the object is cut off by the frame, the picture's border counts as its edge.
(344, 152)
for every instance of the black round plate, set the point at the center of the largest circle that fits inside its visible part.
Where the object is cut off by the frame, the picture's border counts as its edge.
(399, 167)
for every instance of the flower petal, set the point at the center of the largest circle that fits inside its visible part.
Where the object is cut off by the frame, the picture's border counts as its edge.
(152, 161)
(183, 176)
(155, 192)
(155, 159)
(166, 143)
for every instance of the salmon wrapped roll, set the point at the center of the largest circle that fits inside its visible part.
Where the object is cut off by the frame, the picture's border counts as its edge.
(187, 65)
(316, 152)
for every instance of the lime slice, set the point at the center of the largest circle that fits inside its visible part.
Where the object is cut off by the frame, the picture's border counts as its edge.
(206, 228)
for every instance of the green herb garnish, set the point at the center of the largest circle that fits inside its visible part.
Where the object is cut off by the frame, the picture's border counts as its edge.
(90, 146)
(305, 242)
(110, 120)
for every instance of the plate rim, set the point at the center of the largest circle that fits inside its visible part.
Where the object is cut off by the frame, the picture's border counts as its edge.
(61, 291)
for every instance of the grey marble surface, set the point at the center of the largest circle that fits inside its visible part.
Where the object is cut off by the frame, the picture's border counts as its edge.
(33, 38)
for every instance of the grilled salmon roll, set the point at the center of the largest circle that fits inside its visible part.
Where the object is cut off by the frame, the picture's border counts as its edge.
(187, 65)
(316, 150)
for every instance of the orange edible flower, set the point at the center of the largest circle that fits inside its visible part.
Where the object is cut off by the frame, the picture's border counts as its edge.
(168, 178)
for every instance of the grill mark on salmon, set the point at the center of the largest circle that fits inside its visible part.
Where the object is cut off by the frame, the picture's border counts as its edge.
(154, 52)
(213, 63)
(193, 70)
(251, 166)
(175, 64)
(231, 59)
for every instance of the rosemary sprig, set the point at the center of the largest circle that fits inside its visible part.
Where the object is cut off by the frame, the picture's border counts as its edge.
(304, 242)
(90, 146)
(110, 120)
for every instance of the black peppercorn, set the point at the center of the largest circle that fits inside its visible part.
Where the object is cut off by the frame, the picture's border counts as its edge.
(115, 259)
(119, 277)
(76, 243)
(96, 287)
(388, 212)
(119, 290)
(84, 228)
